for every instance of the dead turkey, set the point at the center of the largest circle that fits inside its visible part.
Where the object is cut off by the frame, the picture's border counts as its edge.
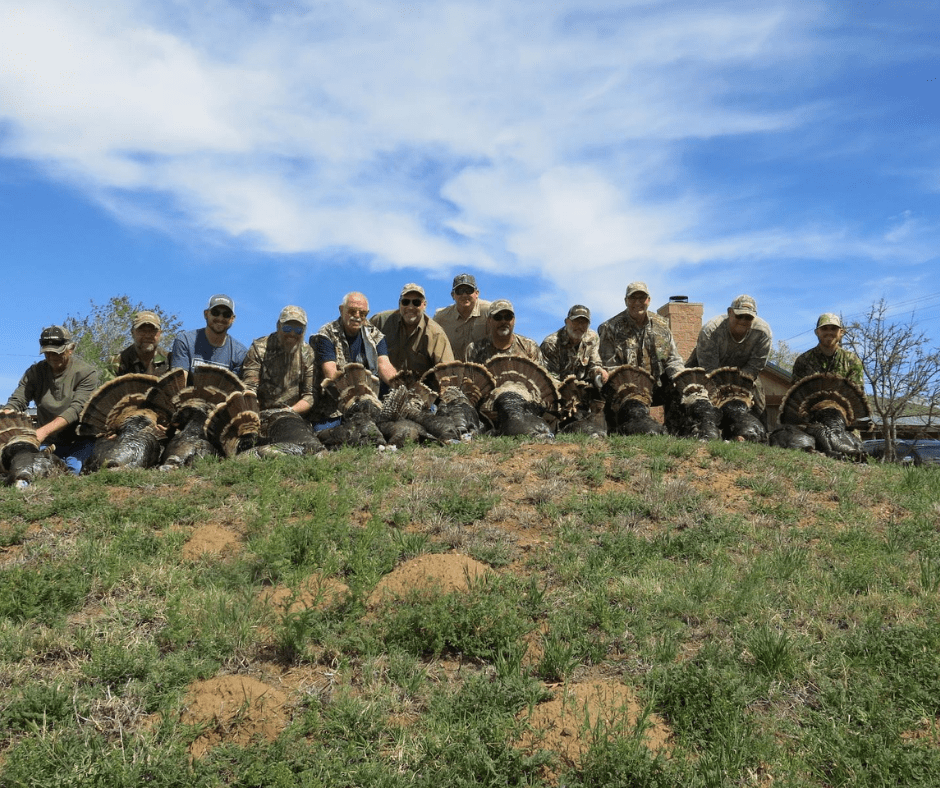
(356, 391)
(188, 441)
(825, 407)
(129, 417)
(629, 392)
(733, 394)
(461, 387)
(21, 459)
(689, 412)
(234, 426)
(284, 431)
(524, 391)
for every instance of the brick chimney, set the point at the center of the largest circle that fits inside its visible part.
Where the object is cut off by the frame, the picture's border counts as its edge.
(685, 322)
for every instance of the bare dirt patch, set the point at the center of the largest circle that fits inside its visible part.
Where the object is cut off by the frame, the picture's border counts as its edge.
(446, 573)
(237, 709)
(316, 592)
(569, 723)
(211, 539)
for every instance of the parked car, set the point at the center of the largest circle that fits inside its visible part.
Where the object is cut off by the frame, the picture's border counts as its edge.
(915, 452)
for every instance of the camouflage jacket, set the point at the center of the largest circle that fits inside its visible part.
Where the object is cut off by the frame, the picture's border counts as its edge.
(482, 351)
(716, 347)
(280, 377)
(563, 359)
(843, 362)
(650, 347)
(127, 362)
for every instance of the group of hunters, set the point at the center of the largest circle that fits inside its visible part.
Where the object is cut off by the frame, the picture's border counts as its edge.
(287, 372)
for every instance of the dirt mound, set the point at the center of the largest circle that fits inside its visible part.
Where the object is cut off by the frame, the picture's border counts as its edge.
(235, 709)
(211, 540)
(570, 722)
(445, 573)
(315, 592)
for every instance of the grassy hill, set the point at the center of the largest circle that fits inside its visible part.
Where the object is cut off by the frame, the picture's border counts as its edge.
(630, 612)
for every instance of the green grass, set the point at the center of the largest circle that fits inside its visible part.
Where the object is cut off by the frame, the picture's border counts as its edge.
(776, 614)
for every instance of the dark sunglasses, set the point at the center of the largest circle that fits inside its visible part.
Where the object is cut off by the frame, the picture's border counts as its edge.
(412, 301)
(745, 318)
(463, 290)
(220, 311)
(357, 312)
(299, 330)
(503, 317)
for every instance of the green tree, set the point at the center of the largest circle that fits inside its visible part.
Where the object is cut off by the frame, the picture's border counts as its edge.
(106, 329)
(782, 355)
(901, 368)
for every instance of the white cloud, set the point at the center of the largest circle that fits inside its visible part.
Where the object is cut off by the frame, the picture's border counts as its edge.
(523, 136)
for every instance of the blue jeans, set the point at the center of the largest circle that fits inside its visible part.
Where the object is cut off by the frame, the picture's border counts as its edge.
(75, 454)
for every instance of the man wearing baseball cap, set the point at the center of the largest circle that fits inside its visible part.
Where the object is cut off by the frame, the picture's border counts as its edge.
(144, 356)
(415, 342)
(574, 349)
(829, 355)
(280, 367)
(212, 345)
(739, 339)
(61, 386)
(640, 338)
(501, 338)
(464, 321)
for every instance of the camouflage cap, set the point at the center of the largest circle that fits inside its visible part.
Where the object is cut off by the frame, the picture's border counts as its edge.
(744, 305)
(579, 310)
(829, 319)
(411, 287)
(464, 279)
(54, 339)
(147, 318)
(501, 305)
(637, 287)
(294, 313)
(221, 300)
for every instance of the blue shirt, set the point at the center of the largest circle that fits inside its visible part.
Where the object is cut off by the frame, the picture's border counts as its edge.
(192, 349)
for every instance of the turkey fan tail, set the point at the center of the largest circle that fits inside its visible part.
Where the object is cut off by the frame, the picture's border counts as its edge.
(16, 428)
(820, 391)
(628, 382)
(163, 397)
(356, 385)
(475, 380)
(523, 375)
(112, 402)
(235, 424)
(730, 385)
(693, 384)
(221, 378)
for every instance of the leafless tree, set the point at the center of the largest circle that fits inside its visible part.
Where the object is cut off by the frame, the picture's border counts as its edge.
(901, 368)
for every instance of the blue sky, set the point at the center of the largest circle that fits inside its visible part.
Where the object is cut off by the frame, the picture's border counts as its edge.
(289, 152)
